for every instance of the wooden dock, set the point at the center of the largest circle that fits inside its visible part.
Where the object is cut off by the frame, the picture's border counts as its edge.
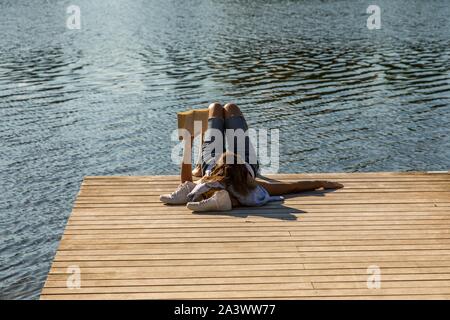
(128, 245)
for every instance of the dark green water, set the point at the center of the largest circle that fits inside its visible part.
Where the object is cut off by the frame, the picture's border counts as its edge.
(102, 100)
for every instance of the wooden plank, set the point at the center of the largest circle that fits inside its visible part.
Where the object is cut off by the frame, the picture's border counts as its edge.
(421, 216)
(317, 195)
(327, 194)
(97, 279)
(134, 287)
(360, 178)
(257, 269)
(99, 229)
(275, 223)
(342, 259)
(295, 216)
(140, 248)
(287, 202)
(280, 176)
(266, 241)
(237, 257)
(86, 192)
(258, 263)
(272, 222)
(108, 255)
(293, 231)
(271, 208)
(183, 288)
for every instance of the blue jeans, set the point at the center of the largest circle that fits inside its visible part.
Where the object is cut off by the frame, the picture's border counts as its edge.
(210, 153)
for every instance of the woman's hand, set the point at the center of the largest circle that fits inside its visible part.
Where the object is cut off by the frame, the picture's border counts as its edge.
(197, 172)
(331, 185)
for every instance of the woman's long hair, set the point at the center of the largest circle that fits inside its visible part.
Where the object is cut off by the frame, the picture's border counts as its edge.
(231, 171)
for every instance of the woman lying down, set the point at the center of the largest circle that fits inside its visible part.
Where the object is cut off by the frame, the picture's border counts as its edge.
(229, 180)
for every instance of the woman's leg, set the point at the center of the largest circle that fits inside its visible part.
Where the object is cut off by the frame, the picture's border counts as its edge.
(282, 188)
(234, 120)
(232, 110)
(215, 110)
(213, 144)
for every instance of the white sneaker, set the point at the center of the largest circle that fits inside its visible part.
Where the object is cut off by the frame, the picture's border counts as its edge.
(179, 196)
(220, 201)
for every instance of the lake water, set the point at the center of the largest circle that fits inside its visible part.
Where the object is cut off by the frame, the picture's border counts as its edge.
(102, 100)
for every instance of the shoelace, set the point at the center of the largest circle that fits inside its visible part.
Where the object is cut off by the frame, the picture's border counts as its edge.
(180, 188)
(208, 200)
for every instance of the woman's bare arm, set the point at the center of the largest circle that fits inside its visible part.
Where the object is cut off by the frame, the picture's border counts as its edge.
(281, 188)
(186, 172)
(186, 164)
